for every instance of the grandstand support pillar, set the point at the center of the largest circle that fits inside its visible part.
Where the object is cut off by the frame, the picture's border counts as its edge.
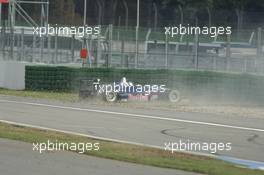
(228, 51)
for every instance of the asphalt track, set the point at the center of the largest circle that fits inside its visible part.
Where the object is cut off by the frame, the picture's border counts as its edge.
(66, 163)
(141, 126)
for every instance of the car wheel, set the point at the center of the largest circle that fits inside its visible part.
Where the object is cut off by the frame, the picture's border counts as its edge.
(111, 97)
(174, 96)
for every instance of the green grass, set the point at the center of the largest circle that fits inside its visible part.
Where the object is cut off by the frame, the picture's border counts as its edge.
(60, 96)
(129, 153)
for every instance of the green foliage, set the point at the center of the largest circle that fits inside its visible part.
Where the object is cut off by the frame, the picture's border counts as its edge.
(194, 84)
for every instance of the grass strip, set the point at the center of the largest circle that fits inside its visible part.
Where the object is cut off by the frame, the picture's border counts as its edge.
(129, 153)
(60, 96)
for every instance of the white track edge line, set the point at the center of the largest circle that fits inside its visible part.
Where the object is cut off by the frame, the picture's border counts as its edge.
(137, 115)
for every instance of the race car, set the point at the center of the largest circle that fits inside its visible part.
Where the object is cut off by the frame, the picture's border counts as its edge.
(127, 91)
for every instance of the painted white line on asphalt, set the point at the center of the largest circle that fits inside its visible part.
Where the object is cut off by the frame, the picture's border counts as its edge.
(135, 115)
(100, 138)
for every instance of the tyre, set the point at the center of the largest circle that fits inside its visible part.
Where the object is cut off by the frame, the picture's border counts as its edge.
(111, 97)
(174, 96)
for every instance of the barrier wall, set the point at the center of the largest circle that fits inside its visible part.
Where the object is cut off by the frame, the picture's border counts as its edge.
(12, 75)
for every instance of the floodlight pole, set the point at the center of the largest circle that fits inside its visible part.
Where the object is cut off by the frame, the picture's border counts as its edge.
(137, 28)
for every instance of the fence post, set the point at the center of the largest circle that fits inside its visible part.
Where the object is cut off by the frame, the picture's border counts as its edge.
(245, 65)
(34, 46)
(228, 52)
(41, 48)
(3, 39)
(18, 38)
(122, 53)
(12, 42)
(1, 14)
(166, 50)
(259, 42)
(49, 45)
(195, 47)
(72, 47)
(99, 48)
(215, 63)
(110, 45)
(56, 49)
(22, 44)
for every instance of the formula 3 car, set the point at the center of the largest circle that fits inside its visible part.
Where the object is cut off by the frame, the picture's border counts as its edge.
(127, 91)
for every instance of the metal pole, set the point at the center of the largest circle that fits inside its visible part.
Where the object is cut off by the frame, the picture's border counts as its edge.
(22, 44)
(166, 51)
(228, 52)
(126, 8)
(110, 45)
(72, 48)
(11, 25)
(41, 49)
(56, 49)
(84, 23)
(85, 12)
(47, 12)
(31, 2)
(196, 45)
(99, 49)
(0, 14)
(259, 43)
(137, 28)
(49, 46)
(47, 20)
(42, 17)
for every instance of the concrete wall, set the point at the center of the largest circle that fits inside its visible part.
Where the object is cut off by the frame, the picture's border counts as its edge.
(12, 75)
